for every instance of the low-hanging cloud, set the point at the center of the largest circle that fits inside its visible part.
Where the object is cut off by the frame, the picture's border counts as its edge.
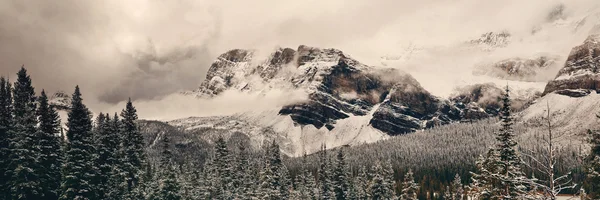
(148, 49)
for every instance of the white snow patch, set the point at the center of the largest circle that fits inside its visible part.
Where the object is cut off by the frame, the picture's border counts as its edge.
(569, 114)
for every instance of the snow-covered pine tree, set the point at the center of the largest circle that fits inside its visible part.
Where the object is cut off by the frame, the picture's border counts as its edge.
(279, 180)
(210, 186)
(457, 188)
(362, 184)
(592, 166)
(378, 187)
(223, 164)
(341, 176)
(267, 189)
(79, 168)
(448, 193)
(244, 182)
(389, 179)
(5, 138)
(286, 182)
(168, 187)
(484, 183)
(107, 146)
(24, 167)
(191, 182)
(324, 175)
(117, 182)
(511, 177)
(305, 184)
(134, 157)
(409, 187)
(50, 147)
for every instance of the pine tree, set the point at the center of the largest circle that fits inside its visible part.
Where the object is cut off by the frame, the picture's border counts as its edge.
(324, 178)
(107, 146)
(389, 179)
(243, 182)
(448, 194)
(5, 138)
(592, 166)
(79, 168)
(169, 188)
(211, 184)
(484, 182)
(361, 183)
(133, 155)
(409, 187)
(224, 170)
(265, 191)
(511, 177)
(24, 168)
(117, 183)
(191, 184)
(305, 184)
(341, 176)
(456, 188)
(275, 183)
(50, 146)
(378, 187)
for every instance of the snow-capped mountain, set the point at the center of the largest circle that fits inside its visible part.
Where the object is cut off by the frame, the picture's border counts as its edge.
(347, 102)
(572, 96)
(580, 73)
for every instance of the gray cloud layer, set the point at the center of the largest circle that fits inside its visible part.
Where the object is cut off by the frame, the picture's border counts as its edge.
(146, 49)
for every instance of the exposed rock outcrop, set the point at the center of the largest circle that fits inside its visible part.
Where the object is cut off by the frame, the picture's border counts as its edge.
(580, 70)
(339, 87)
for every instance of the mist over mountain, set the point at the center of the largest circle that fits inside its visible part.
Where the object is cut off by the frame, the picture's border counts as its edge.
(148, 50)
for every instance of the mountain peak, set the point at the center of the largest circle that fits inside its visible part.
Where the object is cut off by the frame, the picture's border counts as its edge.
(581, 69)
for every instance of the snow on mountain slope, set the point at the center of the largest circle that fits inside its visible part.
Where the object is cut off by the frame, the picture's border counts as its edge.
(266, 126)
(570, 115)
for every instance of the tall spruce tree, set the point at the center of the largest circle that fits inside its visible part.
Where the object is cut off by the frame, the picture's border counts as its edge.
(243, 182)
(107, 146)
(378, 188)
(324, 175)
(409, 187)
(362, 184)
(592, 166)
(388, 171)
(117, 182)
(305, 183)
(456, 188)
(341, 176)
(223, 164)
(50, 147)
(211, 187)
(484, 183)
(133, 158)
(281, 179)
(511, 177)
(5, 138)
(79, 169)
(168, 188)
(24, 168)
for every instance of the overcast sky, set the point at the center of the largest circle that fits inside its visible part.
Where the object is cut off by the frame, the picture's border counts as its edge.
(146, 49)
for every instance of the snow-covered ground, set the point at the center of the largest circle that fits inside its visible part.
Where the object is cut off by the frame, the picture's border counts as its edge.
(570, 115)
(294, 140)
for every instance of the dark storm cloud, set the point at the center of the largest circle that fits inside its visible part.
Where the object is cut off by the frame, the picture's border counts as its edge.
(104, 46)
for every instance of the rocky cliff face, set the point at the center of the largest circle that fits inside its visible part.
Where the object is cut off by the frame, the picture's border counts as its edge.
(338, 87)
(580, 73)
